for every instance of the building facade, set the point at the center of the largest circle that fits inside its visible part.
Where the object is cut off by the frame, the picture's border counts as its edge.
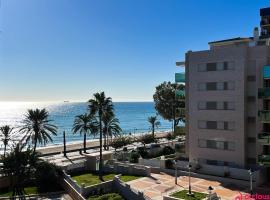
(228, 100)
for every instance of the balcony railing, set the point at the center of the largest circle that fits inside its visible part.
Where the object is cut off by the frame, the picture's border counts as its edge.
(264, 138)
(264, 116)
(264, 159)
(179, 77)
(264, 93)
(179, 93)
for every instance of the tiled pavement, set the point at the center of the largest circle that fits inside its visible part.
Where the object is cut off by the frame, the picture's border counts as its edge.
(161, 184)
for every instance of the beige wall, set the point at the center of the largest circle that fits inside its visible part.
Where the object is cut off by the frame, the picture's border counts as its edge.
(248, 61)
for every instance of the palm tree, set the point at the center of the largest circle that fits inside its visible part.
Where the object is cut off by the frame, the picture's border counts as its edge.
(6, 131)
(111, 127)
(154, 123)
(36, 126)
(99, 106)
(85, 124)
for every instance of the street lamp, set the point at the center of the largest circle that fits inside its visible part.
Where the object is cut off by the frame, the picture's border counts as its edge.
(210, 192)
(250, 176)
(175, 163)
(189, 183)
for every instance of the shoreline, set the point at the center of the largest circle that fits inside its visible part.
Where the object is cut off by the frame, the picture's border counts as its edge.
(77, 145)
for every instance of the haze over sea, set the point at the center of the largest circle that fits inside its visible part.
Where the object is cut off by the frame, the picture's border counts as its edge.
(132, 116)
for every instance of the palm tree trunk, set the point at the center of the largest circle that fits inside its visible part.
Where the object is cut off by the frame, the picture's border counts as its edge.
(84, 143)
(105, 142)
(35, 142)
(5, 148)
(100, 146)
(153, 130)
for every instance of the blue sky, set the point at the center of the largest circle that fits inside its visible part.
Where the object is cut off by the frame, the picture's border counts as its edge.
(54, 50)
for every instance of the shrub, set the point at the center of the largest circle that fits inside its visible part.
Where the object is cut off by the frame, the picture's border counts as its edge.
(109, 196)
(143, 152)
(147, 139)
(167, 150)
(134, 157)
(169, 164)
(47, 177)
(170, 136)
(120, 142)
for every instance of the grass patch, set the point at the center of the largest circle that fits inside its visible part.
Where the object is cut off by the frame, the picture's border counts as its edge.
(183, 195)
(109, 196)
(28, 190)
(92, 179)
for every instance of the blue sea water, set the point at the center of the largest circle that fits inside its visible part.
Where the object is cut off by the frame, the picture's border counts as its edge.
(132, 116)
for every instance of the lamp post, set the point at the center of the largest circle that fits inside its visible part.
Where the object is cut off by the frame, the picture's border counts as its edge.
(250, 176)
(175, 163)
(210, 192)
(189, 183)
(64, 141)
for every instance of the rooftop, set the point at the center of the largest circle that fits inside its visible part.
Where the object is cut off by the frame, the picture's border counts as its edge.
(230, 40)
(265, 11)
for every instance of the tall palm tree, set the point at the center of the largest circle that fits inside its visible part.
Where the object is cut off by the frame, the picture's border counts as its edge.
(154, 123)
(36, 126)
(6, 132)
(111, 127)
(99, 106)
(85, 124)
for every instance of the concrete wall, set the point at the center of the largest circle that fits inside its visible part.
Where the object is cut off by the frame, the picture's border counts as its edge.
(71, 190)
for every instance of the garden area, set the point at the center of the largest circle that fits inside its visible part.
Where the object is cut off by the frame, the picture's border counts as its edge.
(108, 196)
(183, 194)
(93, 178)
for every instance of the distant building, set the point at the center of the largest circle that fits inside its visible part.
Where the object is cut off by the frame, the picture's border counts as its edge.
(228, 100)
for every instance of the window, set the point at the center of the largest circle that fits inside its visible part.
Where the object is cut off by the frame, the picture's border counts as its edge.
(215, 144)
(216, 125)
(202, 67)
(211, 125)
(211, 86)
(211, 105)
(211, 67)
(251, 78)
(215, 66)
(202, 86)
(202, 124)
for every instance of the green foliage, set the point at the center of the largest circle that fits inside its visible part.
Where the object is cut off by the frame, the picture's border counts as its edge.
(167, 150)
(37, 126)
(179, 130)
(166, 100)
(134, 157)
(19, 165)
(109, 196)
(183, 195)
(121, 141)
(169, 164)
(143, 152)
(170, 136)
(6, 132)
(147, 139)
(47, 177)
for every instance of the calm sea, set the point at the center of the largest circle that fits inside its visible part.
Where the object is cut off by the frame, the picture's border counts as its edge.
(132, 116)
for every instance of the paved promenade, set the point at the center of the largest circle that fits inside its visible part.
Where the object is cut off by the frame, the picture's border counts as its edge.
(76, 146)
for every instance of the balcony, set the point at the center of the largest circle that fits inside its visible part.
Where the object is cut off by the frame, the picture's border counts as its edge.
(264, 138)
(266, 72)
(264, 159)
(180, 93)
(179, 77)
(263, 93)
(264, 116)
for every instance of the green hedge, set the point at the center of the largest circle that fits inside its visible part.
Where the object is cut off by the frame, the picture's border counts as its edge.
(109, 196)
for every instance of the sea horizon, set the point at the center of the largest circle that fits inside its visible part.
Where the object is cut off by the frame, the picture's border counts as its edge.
(132, 116)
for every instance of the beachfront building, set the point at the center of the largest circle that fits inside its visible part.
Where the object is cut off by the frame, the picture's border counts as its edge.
(228, 101)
